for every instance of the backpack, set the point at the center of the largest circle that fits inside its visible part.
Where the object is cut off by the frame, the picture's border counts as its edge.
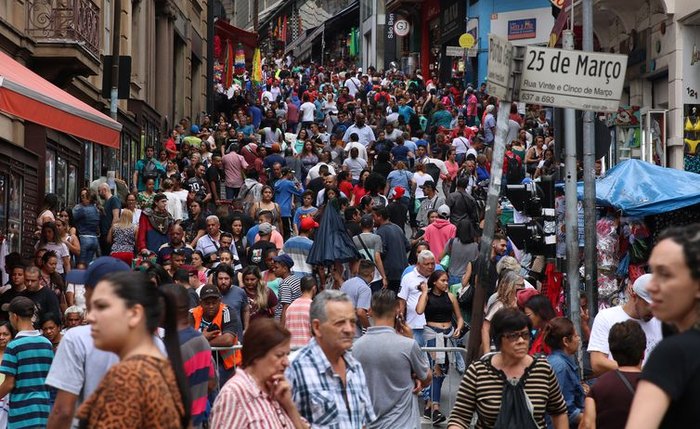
(515, 411)
(150, 170)
(248, 197)
(515, 173)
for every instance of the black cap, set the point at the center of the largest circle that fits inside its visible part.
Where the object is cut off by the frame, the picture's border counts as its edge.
(21, 306)
(367, 221)
(209, 291)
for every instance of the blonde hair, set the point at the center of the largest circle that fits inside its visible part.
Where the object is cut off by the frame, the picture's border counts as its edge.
(126, 218)
(506, 291)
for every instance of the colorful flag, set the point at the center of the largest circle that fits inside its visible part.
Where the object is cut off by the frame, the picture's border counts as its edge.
(257, 67)
(284, 30)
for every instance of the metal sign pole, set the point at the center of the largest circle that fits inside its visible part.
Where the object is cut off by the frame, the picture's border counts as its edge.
(571, 215)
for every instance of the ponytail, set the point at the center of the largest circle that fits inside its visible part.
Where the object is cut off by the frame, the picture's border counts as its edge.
(172, 346)
(556, 330)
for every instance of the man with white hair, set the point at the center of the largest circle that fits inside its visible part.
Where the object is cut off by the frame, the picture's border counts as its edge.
(490, 125)
(73, 316)
(410, 293)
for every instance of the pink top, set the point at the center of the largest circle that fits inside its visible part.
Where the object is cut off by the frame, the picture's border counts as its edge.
(276, 239)
(298, 323)
(234, 165)
(452, 169)
(242, 404)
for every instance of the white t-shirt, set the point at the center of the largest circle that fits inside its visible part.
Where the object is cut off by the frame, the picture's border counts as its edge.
(420, 180)
(461, 145)
(604, 321)
(307, 111)
(411, 293)
(362, 151)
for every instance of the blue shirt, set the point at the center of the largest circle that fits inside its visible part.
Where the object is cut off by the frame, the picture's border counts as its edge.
(86, 219)
(256, 114)
(298, 249)
(400, 178)
(247, 130)
(566, 370)
(284, 191)
(400, 153)
(28, 358)
(489, 125)
(317, 390)
(406, 111)
(140, 164)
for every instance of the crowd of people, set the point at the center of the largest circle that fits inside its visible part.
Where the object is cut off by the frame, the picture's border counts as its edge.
(284, 262)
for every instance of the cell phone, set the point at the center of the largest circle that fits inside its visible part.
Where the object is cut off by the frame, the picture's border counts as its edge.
(213, 327)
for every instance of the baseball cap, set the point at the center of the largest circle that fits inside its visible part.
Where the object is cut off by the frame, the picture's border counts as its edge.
(524, 295)
(194, 129)
(367, 220)
(287, 170)
(99, 268)
(428, 184)
(21, 306)
(308, 223)
(399, 192)
(443, 211)
(265, 228)
(640, 287)
(284, 259)
(209, 291)
(421, 143)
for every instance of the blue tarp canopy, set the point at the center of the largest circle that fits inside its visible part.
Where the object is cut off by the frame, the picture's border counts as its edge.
(639, 188)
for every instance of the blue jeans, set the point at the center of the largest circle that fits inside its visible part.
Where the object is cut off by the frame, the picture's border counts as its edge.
(232, 193)
(436, 386)
(88, 248)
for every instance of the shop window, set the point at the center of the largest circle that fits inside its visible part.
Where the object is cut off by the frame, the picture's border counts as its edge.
(72, 195)
(96, 161)
(14, 218)
(61, 179)
(87, 166)
(49, 180)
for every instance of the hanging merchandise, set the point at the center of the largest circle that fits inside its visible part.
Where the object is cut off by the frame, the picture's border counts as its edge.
(239, 61)
(552, 287)
(257, 67)
(608, 259)
(228, 69)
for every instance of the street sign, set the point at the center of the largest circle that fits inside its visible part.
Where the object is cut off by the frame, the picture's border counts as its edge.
(402, 27)
(466, 40)
(454, 51)
(572, 79)
(499, 67)
(473, 52)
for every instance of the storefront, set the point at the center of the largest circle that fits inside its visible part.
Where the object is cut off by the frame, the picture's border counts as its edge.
(51, 150)
(691, 98)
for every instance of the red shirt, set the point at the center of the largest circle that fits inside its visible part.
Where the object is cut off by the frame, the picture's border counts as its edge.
(346, 188)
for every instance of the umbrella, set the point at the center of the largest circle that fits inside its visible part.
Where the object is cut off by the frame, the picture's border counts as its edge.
(333, 243)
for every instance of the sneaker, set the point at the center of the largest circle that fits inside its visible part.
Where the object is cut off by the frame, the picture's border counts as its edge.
(438, 417)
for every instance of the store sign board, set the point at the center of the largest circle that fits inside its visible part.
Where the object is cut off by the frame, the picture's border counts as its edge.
(452, 19)
(522, 29)
(402, 28)
(572, 79)
(500, 58)
(454, 51)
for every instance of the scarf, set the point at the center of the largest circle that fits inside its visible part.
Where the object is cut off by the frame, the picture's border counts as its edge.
(159, 222)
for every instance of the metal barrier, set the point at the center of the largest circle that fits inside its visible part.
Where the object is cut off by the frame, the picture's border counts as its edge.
(450, 383)
(216, 361)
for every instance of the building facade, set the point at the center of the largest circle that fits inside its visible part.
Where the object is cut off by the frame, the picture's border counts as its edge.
(64, 42)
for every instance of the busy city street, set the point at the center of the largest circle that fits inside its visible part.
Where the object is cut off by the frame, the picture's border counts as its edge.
(349, 214)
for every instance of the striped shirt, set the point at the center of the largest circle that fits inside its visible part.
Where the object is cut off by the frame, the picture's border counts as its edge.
(298, 249)
(481, 390)
(28, 359)
(199, 369)
(241, 404)
(297, 321)
(319, 393)
(290, 290)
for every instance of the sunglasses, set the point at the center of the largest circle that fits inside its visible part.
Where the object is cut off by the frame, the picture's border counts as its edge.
(513, 336)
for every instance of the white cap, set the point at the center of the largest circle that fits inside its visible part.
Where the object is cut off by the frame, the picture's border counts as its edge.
(640, 287)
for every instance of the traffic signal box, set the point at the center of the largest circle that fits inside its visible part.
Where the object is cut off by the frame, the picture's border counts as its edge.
(535, 200)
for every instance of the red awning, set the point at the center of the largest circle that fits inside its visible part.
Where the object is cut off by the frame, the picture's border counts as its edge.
(27, 95)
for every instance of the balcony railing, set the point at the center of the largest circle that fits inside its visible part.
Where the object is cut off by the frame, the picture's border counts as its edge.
(65, 21)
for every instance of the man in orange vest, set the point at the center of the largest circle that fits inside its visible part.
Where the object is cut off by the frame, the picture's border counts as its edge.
(213, 319)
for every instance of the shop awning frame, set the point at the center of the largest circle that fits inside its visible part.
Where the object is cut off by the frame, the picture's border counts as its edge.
(27, 95)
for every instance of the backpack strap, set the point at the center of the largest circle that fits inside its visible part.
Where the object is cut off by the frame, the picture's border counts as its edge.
(364, 246)
(625, 381)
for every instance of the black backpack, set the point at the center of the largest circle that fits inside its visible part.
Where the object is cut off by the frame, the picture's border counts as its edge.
(150, 170)
(514, 412)
(515, 173)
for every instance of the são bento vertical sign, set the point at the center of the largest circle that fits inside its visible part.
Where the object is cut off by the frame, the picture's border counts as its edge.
(572, 79)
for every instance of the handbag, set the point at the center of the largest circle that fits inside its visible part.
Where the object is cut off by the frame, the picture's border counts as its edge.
(445, 261)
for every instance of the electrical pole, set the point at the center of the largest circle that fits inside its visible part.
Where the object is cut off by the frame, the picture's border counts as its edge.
(116, 36)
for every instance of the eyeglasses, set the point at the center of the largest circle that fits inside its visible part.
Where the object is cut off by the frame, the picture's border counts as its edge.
(513, 336)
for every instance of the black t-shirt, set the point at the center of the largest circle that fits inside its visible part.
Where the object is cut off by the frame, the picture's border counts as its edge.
(353, 228)
(256, 253)
(315, 185)
(197, 185)
(397, 213)
(213, 174)
(45, 299)
(674, 367)
(5, 298)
